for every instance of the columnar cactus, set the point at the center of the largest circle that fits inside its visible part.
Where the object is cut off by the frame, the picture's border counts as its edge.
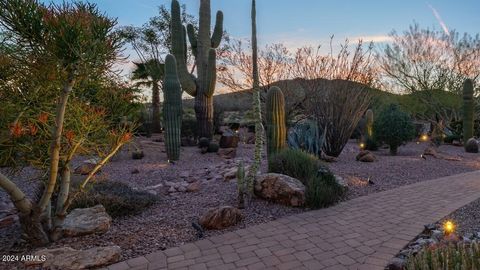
(468, 110)
(172, 108)
(203, 48)
(275, 114)
(369, 117)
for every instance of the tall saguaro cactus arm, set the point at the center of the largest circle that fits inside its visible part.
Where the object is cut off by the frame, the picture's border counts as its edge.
(218, 31)
(178, 50)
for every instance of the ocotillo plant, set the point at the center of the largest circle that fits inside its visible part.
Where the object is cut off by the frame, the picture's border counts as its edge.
(275, 114)
(468, 110)
(203, 48)
(241, 185)
(257, 108)
(172, 108)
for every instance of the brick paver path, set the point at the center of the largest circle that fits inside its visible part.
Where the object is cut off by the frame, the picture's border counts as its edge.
(363, 233)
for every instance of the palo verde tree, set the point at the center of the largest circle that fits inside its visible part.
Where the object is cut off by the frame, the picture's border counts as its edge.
(67, 42)
(203, 45)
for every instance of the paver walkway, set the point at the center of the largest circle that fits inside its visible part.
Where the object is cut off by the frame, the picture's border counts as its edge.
(363, 233)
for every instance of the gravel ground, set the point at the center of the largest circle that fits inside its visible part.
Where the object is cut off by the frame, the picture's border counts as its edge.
(407, 167)
(168, 223)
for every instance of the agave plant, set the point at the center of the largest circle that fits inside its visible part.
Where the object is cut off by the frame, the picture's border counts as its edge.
(305, 135)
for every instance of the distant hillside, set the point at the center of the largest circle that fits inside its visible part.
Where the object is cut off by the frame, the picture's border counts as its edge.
(293, 90)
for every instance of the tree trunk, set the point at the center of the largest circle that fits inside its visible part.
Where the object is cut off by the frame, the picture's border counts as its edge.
(33, 230)
(56, 143)
(156, 126)
(204, 113)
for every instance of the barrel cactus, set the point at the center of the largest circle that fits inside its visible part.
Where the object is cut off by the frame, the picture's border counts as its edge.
(468, 110)
(471, 146)
(275, 114)
(172, 109)
(203, 49)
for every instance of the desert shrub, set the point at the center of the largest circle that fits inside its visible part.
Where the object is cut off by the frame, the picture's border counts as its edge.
(393, 127)
(371, 144)
(321, 188)
(119, 199)
(450, 256)
(189, 128)
(294, 163)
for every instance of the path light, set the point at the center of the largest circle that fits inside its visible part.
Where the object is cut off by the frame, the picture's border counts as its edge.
(448, 227)
(362, 146)
(424, 138)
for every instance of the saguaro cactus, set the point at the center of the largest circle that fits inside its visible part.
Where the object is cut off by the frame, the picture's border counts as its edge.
(203, 48)
(275, 114)
(468, 110)
(172, 108)
(369, 117)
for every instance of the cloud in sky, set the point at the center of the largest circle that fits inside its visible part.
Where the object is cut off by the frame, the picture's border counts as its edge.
(439, 19)
(373, 38)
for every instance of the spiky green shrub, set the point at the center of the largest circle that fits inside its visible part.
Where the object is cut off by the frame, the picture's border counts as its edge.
(276, 125)
(294, 163)
(321, 188)
(172, 109)
(393, 127)
(452, 256)
(468, 110)
(305, 136)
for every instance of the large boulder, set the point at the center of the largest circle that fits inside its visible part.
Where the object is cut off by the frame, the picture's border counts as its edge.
(365, 156)
(220, 218)
(280, 188)
(229, 140)
(71, 259)
(82, 221)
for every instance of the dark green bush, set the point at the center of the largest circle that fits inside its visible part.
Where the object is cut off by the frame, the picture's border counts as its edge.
(393, 127)
(371, 144)
(119, 199)
(321, 188)
(294, 163)
(189, 128)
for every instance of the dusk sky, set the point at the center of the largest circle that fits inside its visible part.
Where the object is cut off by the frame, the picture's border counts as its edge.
(313, 21)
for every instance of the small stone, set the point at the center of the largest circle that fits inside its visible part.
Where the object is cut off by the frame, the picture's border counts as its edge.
(190, 180)
(182, 189)
(220, 218)
(135, 171)
(396, 264)
(7, 221)
(430, 227)
(193, 187)
(227, 153)
(169, 184)
(138, 154)
(84, 169)
(184, 174)
(437, 235)
(172, 189)
(365, 156)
